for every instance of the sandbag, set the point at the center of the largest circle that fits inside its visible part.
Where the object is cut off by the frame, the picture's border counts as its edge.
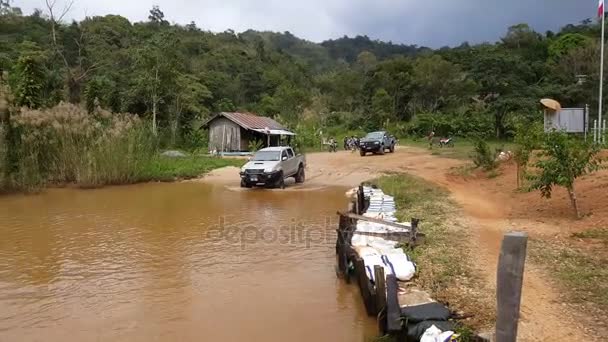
(383, 246)
(434, 334)
(372, 260)
(364, 251)
(416, 330)
(400, 266)
(426, 312)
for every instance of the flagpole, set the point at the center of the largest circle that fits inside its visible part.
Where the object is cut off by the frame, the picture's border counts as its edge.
(601, 75)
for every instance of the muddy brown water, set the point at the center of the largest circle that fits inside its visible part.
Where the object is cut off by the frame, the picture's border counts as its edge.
(174, 262)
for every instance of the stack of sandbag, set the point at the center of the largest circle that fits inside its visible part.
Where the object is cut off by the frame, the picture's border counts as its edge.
(367, 191)
(428, 323)
(379, 228)
(381, 206)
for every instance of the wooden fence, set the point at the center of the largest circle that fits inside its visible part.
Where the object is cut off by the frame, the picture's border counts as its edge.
(381, 297)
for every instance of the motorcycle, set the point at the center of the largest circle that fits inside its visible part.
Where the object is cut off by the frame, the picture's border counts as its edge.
(333, 146)
(446, 142)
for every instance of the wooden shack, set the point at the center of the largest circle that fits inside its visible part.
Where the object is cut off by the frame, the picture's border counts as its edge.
(233, 132)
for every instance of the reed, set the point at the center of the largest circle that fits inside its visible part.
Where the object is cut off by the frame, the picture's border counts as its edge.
(3, 151)
(66, 144)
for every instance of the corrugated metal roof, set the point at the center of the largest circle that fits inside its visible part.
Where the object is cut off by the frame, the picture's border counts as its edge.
(274, 131)
(250, 121)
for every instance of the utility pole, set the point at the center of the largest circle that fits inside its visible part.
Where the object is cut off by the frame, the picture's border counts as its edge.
(602, 18)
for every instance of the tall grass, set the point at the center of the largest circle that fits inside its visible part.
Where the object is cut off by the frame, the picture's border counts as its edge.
(3, 151)
(66, 144)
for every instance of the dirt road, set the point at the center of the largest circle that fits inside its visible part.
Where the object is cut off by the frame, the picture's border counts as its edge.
(489, 215)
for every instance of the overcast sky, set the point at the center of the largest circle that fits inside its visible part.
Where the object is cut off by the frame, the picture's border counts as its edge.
(433, 23)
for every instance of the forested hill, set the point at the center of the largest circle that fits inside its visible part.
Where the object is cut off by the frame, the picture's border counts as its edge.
(315, 56)
(349, 48)
(183, 73)
(329, 53)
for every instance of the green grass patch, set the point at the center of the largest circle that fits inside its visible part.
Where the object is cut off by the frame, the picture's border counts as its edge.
(582, 274)
(493, 173)
(462, 147)
(169, 169)
(595, 233)
(464, 171)
(443, 266)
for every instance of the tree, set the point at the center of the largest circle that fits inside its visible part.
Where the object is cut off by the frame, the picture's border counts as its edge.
(189, 97)
(394, 76)
(381, 107)
(520, 36)
(155, 73)
(564, 158)
(504, 81)
(438, 83)
(225, 105)
(7, 9)
(527, 138)
(77, 68)
(566, 43)
(157, 16)
(28, 81)
(367, 61)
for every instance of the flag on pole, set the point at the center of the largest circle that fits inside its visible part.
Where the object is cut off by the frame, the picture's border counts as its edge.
(600, 9)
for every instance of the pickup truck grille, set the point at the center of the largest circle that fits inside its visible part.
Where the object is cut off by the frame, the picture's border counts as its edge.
(254, 171)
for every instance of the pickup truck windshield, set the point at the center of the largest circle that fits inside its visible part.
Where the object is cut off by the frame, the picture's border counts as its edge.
(267, 156)
(374, 135)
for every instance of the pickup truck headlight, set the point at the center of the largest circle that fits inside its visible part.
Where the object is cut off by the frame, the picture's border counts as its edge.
(268, 170)
(376, 143)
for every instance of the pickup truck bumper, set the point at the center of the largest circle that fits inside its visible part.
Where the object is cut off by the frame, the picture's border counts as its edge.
(370, 147)
(255, 178)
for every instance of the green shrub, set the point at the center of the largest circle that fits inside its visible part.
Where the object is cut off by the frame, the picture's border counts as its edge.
(196, 139)
(255, 145)
(483, 156)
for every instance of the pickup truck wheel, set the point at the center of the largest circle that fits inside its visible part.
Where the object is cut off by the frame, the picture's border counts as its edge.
(244, 184)
(392, 149)
(301, 175)
(381, 150)
(362, 153)
(280, 182)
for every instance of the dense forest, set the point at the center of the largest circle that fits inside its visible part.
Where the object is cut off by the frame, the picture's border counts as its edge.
(176, 76)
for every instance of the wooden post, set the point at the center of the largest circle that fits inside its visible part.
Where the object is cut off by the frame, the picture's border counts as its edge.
(224, 139)
(509, 279)
(414, 231)
(341, 243)
(393, 310)
(365, 286)
(360, 200)
(352, 207)
(380, 298)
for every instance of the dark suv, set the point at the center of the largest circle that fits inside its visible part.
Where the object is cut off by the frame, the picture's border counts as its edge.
(377, 142)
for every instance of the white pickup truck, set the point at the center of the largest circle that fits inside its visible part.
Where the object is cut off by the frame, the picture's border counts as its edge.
(270, 166)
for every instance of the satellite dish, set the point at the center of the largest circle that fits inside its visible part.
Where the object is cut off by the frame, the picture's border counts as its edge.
(551, 104)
